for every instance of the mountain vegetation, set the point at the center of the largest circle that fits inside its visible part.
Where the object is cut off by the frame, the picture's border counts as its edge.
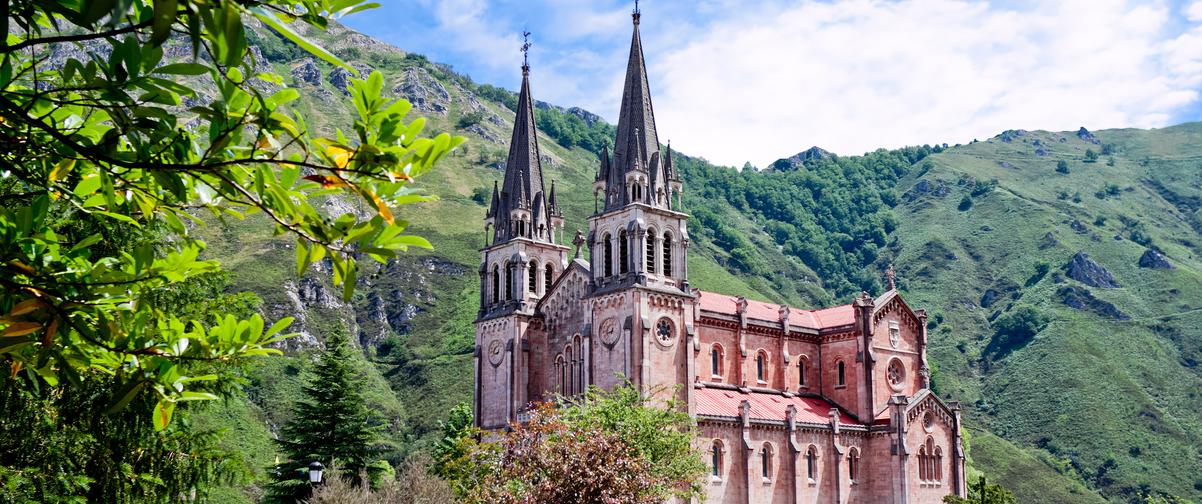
(1061, 271)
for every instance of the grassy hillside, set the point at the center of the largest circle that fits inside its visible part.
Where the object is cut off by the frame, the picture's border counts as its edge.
(1098, 402)
(1114, 396)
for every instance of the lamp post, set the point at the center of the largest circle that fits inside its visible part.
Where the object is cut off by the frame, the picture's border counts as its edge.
(315, 470)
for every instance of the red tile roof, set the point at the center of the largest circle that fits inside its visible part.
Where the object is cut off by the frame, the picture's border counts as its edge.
(813, 319)
(765, 406)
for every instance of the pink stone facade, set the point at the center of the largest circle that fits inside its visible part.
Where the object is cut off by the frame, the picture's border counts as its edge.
(792, 405)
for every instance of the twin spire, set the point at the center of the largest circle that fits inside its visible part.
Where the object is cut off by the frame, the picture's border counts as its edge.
(637, 172)
(521, 209)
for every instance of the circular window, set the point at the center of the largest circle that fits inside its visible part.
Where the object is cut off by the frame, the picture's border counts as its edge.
(928, 421)
(896, 374)
(665, 332)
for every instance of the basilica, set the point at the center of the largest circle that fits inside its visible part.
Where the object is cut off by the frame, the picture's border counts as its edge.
(792, 405)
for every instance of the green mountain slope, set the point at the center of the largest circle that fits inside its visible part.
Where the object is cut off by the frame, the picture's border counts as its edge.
(1116, 396)
(1090, 406)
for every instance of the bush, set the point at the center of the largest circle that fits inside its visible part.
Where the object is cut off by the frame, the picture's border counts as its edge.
(1062, 166)
(470, 119)
(965, 203)
(1091, 156)
(414, 485)
(1015, 329)
(481, 195)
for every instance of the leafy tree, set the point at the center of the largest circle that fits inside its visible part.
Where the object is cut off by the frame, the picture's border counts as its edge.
(107, 138)
(1062, 166)
(331, 424)
(617, 447)
(470, 119)
(983, 492)
(459, 457)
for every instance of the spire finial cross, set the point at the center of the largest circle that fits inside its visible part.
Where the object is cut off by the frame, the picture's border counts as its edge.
(635, 14)
(525, 51)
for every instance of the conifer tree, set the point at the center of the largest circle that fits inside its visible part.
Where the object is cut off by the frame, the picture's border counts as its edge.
(331, 424)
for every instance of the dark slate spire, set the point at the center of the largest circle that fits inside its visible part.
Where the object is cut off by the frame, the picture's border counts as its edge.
(636, 147)
(523, 206)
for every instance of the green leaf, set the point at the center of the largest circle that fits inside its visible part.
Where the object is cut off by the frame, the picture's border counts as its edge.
(124, 395)
(182, 69)
(269, 18)
(189, 395)
(164, 16)
(162, 414)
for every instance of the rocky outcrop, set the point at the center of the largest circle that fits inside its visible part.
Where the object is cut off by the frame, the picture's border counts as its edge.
(340, 77)
(484, 133)
(798, 160)
(1081, 299)
(307, 72)
(937, 188)
(1084, 134)
(1083, 269)
(423, 91)
(1153, 259)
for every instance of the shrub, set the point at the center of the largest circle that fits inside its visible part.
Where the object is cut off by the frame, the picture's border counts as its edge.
(1091, 156)
(1015, 329)
(470, 119)
(481, 195)
(1062, 166)
(965, 203)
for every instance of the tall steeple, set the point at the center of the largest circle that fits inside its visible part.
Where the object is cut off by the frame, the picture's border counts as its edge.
(522, 209)
(637, 173)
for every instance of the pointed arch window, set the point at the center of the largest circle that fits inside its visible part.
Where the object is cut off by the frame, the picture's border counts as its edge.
(766, 461)
(853, 465)
(548, 277)
(623, 253)
(716, 460)
(608, 248)
(570, 361)
(532, 282)
(761, 366)
(650, 255)
(496, 284)
(938, 464)
(812, 464)
(716, 360)
(508, 281)
(666, 264)
(801, 371)
(842, 374)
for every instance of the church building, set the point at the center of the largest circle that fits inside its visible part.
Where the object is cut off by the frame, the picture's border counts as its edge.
(793, 405)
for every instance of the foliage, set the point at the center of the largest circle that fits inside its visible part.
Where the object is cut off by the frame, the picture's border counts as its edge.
(1015, 329)
(105, 137)
(453, 455)
(656, 429)
(1091, 156)
(983, 492)
(332, 425)
(965, 203)
(1062, 167)
(617, 447)
(414, 485)
(470, 119)
(833, 215)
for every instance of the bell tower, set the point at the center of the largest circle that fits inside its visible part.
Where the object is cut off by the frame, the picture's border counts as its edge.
(638, 235)
(520, 261)
(638, 238)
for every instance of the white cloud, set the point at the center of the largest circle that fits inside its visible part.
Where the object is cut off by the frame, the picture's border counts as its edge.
(854, 76)
(1193, 12)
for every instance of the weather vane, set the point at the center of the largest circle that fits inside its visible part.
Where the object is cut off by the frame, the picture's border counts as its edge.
(525, 49)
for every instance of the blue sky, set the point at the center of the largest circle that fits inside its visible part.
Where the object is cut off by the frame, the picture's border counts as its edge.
(738, 81)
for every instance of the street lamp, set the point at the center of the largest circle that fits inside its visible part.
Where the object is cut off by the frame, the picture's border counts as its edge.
(315, 469)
